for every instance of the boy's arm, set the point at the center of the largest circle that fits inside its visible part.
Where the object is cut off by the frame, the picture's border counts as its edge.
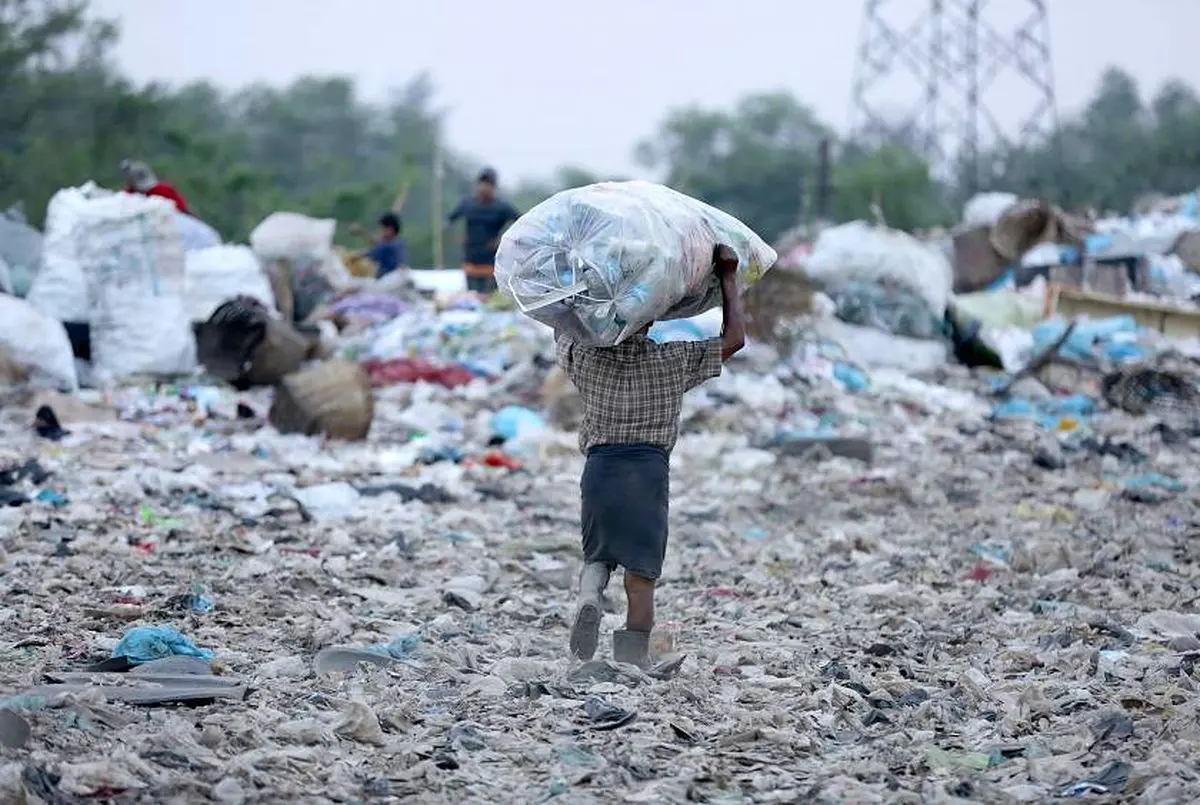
(562, 351)
(733, 320)
(704, 358)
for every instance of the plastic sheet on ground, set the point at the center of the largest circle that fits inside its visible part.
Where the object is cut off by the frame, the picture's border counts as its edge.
(602, 261)
(873, 348)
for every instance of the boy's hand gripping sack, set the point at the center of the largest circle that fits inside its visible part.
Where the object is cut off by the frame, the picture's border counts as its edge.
(602, 261)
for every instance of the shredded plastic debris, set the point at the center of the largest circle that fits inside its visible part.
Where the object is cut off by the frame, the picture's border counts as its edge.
(885, 584)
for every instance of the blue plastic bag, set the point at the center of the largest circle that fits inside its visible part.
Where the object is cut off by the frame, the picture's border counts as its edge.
(143, 644)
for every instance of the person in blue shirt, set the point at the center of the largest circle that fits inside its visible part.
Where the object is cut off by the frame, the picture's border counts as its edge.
(486, 216)
(390, 250)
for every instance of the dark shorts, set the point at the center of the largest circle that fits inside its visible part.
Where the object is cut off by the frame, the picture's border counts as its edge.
(480, 278)
(625, 491)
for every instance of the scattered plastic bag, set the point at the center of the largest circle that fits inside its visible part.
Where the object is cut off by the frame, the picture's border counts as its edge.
(602, 261)
(1168, 276)
(514, 421)
(1114, 338)
(60, 287)
(39, 342)
(220, 273)
(143, 644)
(860, 252)
(133, 260)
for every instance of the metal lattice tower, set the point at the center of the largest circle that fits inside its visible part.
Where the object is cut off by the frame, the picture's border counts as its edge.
(950, 57)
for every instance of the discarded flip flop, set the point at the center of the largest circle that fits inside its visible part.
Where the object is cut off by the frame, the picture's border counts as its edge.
(666, 667)
(344, 659)
(174, 666)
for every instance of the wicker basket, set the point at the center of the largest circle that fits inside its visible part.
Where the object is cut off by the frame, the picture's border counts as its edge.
(333, 398)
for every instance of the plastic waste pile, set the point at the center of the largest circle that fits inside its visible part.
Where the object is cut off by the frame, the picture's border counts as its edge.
(129, 274)
(450, 347)
(602, 261)
(882, 279)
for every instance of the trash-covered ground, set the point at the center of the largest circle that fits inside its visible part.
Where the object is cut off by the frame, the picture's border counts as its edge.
(931, 532)
(985, 613)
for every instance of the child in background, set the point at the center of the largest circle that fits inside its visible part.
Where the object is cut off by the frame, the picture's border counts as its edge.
(390, 250)
(632, 395)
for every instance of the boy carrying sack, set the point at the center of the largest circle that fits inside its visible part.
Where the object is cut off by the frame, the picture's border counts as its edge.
(632, 395)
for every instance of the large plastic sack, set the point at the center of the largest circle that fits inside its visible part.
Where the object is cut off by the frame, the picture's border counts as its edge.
(219, 273)
(20, 250)
(133, 260)
(37, 342)
(194, 234)
(602, 261)
(60, 287)
(306, 244)
(985, 209)
(291, 236)
(859, 252)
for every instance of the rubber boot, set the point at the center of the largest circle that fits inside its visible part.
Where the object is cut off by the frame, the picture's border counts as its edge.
(585, 631)
(631, 647)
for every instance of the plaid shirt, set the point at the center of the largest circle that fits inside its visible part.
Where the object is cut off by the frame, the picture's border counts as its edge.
(632, 393)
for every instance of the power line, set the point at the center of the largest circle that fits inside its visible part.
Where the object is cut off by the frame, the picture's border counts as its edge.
(952, 54)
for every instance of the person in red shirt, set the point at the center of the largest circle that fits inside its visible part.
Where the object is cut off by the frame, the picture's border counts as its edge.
(139, 178)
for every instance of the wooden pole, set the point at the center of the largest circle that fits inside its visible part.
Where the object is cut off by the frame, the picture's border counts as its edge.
(439, 224)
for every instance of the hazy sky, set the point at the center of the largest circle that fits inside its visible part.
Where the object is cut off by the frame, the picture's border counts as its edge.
(533, 84)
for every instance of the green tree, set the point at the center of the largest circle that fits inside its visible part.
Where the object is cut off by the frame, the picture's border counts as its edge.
(898, 181)
(1118, 148)
(750, 161)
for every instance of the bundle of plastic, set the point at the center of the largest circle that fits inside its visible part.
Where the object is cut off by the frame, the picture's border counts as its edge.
(602, 261)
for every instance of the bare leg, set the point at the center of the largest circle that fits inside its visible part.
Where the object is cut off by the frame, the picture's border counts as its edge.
(632, 644)
(639, 592)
